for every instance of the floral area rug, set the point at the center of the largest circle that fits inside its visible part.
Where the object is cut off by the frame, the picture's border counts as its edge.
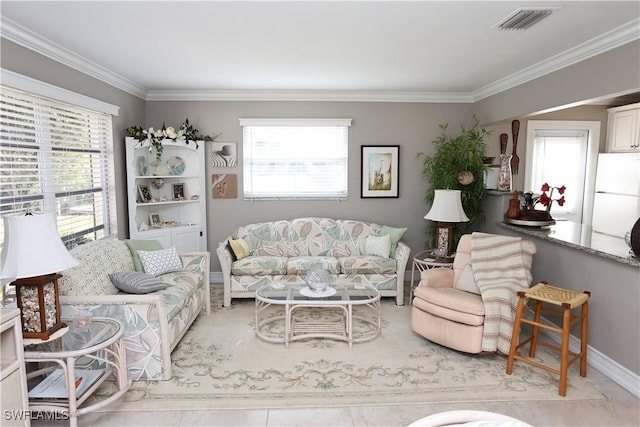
(221, 363)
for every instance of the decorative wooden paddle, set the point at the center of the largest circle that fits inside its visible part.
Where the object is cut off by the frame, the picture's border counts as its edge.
(515, 161)
(503, 143)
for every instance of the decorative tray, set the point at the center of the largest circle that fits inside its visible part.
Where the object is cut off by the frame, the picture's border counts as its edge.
(530, 223)
(308, 292)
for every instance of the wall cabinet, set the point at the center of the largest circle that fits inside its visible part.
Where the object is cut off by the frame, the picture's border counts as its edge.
(624, 128)
(167, 197)
(13, 376)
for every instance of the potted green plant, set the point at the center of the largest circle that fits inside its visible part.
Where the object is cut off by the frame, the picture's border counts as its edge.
(458, 164)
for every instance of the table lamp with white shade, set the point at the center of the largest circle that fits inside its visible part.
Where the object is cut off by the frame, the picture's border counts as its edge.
(447, 211)
(32, 257)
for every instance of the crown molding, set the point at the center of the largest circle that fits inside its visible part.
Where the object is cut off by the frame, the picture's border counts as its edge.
(622, 35)
(33, 41)
(22, 36)
(319, 95)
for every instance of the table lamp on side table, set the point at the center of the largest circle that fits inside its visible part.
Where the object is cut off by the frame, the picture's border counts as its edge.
(32, 255)
(447, 210)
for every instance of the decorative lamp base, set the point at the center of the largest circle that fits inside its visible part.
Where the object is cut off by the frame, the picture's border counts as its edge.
(444, 238)
(39, 306)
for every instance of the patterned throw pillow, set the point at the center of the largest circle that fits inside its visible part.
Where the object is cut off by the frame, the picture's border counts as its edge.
(141, 245)
(160, 262)
(135, 282)
(239, 248)
(378, 245)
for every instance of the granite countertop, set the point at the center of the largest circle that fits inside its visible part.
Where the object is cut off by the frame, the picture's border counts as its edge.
(581, 237)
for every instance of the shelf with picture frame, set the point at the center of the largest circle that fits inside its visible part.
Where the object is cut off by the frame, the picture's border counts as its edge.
(172, 190)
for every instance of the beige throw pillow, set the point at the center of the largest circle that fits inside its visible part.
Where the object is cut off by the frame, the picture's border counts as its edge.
(466, 282)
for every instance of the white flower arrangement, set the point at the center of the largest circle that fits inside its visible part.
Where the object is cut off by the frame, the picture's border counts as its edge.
(154, 138)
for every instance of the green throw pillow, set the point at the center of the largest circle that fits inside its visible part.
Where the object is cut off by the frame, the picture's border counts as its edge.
(395, 234)
(141, 245)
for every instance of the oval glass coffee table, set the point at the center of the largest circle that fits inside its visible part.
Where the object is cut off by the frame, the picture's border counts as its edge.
(289, 312)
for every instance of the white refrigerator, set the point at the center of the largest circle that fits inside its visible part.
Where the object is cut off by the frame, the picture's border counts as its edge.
(616, 205)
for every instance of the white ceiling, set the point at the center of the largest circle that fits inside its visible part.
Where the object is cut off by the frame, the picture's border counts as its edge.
(416, 50)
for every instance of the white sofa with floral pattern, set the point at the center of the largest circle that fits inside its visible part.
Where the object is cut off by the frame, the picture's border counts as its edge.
(286, 250)
(154, 322)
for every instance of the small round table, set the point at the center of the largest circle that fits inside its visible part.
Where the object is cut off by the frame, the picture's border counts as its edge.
(78, 361)
(427, 260)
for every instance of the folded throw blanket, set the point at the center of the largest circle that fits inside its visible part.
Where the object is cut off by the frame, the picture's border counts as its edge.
(500, 271)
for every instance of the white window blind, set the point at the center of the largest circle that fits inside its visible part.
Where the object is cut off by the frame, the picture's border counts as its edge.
(56, 157)
(295, 158)
(559, 158)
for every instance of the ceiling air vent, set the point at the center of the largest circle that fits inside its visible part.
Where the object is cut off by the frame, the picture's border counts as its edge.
(524, 18)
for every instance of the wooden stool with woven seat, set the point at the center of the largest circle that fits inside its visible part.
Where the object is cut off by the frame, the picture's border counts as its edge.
(568, 300)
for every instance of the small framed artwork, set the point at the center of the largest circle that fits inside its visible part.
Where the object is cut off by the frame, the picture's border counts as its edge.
(223, 155)
(145, 193)
(379, 170)
(225, 186)
(155, 220)
(178, 191)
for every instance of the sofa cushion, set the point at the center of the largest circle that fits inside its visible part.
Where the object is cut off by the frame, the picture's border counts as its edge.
(259, 265)
(160, 262)
(97, 259)
(135, 282)
(352, 237)
(301, 265)
(180, 291)
(367, 264)
(378, 245)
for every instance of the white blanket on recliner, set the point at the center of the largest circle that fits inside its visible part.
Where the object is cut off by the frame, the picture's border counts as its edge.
(500, 272)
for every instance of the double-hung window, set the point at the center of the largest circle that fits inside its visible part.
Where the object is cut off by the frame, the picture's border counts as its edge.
(295, 158)
(57, 157)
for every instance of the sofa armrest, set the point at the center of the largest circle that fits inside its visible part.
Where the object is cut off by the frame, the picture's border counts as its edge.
(224, 256)
(199, 262)
(402, 258)
(437, 278)
(145, 320)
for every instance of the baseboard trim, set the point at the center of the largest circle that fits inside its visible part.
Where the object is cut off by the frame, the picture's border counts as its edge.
(622, 376)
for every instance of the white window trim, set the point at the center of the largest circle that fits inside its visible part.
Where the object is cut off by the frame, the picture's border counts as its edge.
(28, 84)
(293, 122)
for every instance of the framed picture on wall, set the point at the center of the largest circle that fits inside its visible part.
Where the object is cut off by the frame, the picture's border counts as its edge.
(379, 170)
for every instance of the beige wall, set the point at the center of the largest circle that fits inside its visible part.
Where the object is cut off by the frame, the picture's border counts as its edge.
(412, 126)
(613, 72)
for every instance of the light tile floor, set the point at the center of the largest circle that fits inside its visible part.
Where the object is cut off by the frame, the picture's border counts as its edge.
(620, 408)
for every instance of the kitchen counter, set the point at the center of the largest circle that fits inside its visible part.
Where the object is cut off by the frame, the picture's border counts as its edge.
(581, 237)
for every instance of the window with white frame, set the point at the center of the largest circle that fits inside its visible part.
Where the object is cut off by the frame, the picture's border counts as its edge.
(57, 157)
(295, 158)
(563, 153)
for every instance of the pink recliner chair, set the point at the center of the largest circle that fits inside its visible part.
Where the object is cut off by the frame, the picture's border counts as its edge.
(447, 306)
